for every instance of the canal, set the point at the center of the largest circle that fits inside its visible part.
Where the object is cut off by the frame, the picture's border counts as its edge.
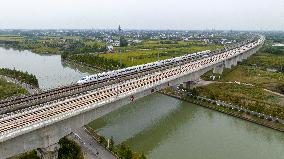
(160, 126)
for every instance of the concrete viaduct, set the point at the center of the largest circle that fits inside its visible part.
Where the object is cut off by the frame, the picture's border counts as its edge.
(42, 127)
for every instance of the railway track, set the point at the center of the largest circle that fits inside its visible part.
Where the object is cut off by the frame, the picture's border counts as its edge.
(7, 106)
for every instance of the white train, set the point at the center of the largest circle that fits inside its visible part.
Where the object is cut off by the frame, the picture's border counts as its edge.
(127, 70)
(202, 54)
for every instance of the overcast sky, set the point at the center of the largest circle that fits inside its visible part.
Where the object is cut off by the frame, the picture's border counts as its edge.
(143, 14)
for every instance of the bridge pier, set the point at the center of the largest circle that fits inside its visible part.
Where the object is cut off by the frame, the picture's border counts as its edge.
(239, 58)
(189, 84)
(228, 63)
(218, 69)
(235, 61)
(50, 152)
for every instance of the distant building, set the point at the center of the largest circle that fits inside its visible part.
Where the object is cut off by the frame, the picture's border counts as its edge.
(110, 48)
(133, 42)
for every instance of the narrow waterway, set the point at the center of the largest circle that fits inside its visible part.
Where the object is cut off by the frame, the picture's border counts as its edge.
(50, 71)
(167, 128)
(160, 126)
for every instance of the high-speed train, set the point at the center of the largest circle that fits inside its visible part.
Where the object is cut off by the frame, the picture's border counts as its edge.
(127, 70)
(202, 54)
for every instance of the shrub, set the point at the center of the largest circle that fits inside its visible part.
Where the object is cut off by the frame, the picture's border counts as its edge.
(69, 149)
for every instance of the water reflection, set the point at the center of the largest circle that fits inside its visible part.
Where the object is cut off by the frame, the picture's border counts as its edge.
(49, 69)
(165, 127)
(133, 118)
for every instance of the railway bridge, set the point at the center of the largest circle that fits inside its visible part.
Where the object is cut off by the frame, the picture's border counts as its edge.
(38, 121)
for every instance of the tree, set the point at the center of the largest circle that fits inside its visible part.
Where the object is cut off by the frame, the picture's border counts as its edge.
(194, 92)
(111, 143)
(64, 55)
(69, 149)
(124, 152)
(123, 42)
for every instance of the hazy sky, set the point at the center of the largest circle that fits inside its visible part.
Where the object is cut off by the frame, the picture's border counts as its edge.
(143, 14)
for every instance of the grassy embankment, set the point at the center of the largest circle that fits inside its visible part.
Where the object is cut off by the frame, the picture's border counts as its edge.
(145, 52)
(249, 97)
(254, 72)
(23, 77)
(8, 89)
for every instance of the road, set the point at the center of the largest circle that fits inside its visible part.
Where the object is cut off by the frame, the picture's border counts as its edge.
(90, 147)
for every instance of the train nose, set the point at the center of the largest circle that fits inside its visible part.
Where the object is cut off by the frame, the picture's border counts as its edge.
(80, 82)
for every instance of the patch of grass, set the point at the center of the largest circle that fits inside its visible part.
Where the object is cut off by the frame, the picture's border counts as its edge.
(253, 71)
(11, 38)
(27, 155)
(10, 89)
(21, 76)
(138, 57)
(69, 149)
(266, 60)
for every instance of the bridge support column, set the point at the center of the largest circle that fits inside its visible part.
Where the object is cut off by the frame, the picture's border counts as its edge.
(245, 56)
(218, 69)
(50, 152)
(189, 84)
(228, 63)
(239, 58)
(235, 61)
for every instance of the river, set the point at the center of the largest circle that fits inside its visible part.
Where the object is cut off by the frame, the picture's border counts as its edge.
(160, 126)
(50, 71)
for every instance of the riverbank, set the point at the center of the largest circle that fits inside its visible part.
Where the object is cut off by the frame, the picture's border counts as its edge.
(21, 76)
(8, 89)
(231, 112)
(110, 150)
(29, 88)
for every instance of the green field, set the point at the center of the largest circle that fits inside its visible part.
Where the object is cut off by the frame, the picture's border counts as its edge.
(252, 71)
(145, 52)
(250, 97)
(154, 51)
(133, 58)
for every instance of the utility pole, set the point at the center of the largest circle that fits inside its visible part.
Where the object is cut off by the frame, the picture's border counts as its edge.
(120, 51)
